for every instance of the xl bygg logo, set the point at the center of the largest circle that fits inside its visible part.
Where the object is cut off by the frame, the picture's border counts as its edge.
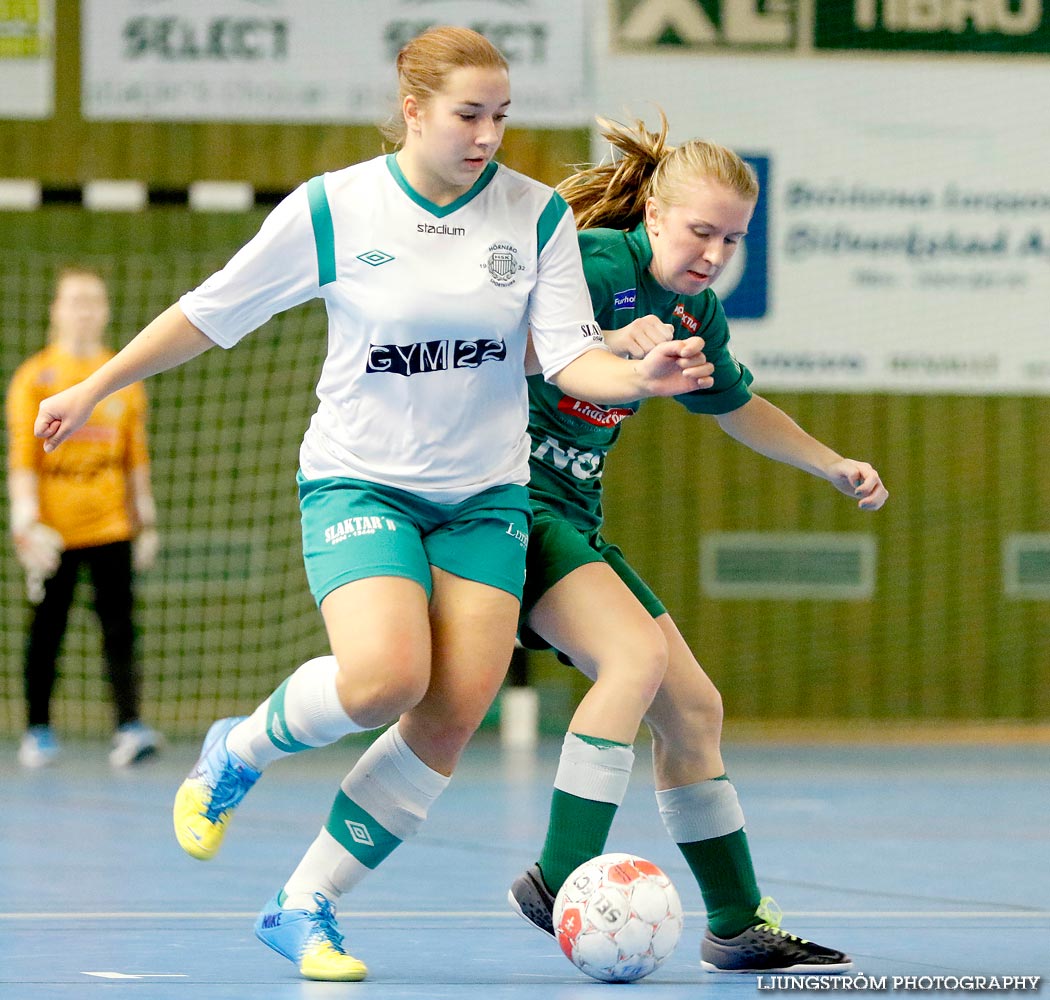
(726, 24)
(744, 286)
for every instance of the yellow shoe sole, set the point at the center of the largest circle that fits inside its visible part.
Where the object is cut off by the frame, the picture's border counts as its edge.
(325, 964)
(197, 836)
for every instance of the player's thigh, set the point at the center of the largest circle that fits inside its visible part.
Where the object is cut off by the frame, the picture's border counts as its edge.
(687, 706)
(380, 626)
(472, 639)
(477, 558)
(368, 571)
(595, 619)
(111, 581)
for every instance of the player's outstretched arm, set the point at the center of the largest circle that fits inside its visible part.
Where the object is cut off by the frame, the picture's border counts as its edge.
(669, 369)
(768, 430)
(167, 342)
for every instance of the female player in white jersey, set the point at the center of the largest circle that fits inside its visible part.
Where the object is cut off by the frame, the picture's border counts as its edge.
(658, 226)
(433, 263)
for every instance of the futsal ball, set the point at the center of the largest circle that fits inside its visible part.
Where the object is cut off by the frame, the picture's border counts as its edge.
(617, 917)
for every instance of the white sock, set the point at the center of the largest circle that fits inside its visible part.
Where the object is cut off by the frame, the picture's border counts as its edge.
(702, 811)
(304, 712)
(382, 802)
(591, 771)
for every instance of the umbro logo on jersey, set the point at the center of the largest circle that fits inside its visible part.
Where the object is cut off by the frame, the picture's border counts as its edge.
(374, 257)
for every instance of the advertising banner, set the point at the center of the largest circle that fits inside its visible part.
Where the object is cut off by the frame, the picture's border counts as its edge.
(1012, 27)
(27, 68)
(1004, 26)
(322, 61)
(903, 241)
(727, 24)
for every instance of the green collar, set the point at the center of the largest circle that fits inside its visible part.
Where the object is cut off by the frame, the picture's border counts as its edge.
(642, 251)
(440, 211)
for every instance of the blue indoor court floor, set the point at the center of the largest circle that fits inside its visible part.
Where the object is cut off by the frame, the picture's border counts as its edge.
(918, 860)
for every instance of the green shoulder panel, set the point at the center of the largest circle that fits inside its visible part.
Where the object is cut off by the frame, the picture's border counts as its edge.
(324, 232)
(548, 221)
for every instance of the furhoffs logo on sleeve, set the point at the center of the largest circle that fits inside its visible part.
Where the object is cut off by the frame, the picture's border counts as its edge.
(503, 265)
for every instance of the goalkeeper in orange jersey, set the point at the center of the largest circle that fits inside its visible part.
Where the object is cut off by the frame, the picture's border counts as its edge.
(89, 505)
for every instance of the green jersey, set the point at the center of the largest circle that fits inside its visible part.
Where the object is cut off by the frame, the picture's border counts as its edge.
(571, 437)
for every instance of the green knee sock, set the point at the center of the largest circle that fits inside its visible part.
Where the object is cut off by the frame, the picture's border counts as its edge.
(577, 832)
(723, 868)
(589, 787)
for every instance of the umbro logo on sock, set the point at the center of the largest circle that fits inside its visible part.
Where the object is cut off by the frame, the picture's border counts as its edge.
(279, 734)
(360, 833)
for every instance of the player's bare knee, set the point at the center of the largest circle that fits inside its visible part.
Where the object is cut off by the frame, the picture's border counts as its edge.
(700, 719)
(372, 698)
(437, 737)
(647, 658)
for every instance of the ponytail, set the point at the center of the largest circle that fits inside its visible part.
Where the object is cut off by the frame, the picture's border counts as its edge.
(613, 195)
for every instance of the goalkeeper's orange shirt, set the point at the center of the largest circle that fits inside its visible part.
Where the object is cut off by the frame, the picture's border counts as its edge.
(84, 488)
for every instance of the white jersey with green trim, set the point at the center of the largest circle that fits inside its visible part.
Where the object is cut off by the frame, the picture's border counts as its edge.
(428, 308)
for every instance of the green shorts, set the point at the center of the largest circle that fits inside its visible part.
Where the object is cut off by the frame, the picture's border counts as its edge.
(556, 548)
(354, 529)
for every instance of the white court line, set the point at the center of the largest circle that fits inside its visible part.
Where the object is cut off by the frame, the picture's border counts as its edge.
(137, 975)
(509, 915)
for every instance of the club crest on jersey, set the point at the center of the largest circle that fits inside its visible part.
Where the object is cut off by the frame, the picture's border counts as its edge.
(503, 265)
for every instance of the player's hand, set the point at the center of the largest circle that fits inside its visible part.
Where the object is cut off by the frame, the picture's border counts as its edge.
(38, 549)
(145, 549)
(61, 415)
(639, 337)
(676, 366)
(860, 481)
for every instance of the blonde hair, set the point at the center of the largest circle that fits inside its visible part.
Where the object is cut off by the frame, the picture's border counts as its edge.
(424, 63)
(613, 195)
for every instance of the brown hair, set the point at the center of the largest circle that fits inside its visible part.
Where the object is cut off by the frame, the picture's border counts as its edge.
(613, 195)
(424, 63)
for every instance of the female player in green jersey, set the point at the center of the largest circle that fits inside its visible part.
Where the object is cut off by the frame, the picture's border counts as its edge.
(658, 225)
(434, 263)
